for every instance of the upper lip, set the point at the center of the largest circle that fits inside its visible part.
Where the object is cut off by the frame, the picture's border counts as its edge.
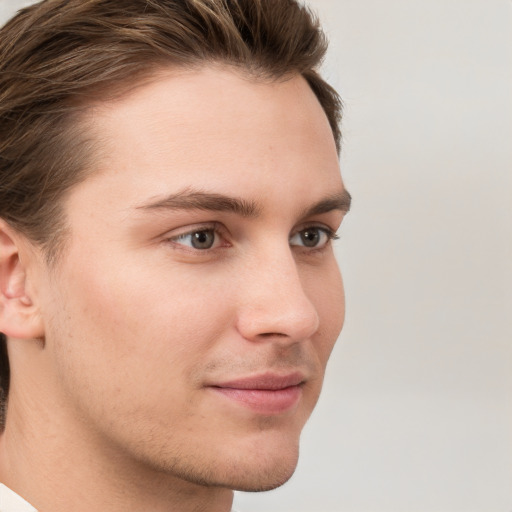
(264, 381)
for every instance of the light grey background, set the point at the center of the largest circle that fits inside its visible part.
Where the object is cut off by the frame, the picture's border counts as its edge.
(416, 414)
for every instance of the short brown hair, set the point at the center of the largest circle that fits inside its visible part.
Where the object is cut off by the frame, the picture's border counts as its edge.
(57, 55)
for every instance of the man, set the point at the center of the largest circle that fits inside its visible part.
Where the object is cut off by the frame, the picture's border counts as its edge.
(169, 295)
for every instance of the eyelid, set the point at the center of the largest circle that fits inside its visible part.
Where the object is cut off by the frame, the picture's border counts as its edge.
(174, 236)
(331, 232)
(327, 231)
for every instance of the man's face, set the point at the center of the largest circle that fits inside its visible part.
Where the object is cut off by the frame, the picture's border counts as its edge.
(198, 299)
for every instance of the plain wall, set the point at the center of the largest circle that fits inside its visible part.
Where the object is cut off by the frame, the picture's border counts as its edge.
(416, 414)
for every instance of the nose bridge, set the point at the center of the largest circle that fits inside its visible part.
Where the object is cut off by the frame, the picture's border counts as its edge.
(275, 301)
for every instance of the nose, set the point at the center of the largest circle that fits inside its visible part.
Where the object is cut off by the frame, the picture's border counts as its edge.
(273, 302)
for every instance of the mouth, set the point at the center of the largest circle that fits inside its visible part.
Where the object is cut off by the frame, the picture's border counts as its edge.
(266, 394)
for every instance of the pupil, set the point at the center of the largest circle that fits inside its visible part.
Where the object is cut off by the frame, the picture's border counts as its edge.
(203, 239)
(310, 237)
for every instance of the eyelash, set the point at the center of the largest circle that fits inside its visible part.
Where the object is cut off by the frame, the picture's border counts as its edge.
(215, 228)
(218, 231)
(327, 232)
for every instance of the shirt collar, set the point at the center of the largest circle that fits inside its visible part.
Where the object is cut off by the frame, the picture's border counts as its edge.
(11, 502)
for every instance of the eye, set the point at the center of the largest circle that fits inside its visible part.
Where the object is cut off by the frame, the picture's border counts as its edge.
(201, 239)
(312, 237)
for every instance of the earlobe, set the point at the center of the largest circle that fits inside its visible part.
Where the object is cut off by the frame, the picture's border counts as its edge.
(19, 316)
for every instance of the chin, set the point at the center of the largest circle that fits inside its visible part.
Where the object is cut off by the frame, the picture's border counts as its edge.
(262, 471)
(260, 468)
(261, 483)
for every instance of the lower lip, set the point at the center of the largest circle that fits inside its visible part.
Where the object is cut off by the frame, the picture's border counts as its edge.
(264, 401)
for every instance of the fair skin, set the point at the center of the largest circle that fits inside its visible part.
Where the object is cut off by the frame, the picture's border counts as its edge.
(179, 346)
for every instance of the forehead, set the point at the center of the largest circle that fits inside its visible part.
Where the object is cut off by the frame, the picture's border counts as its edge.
(214, 127)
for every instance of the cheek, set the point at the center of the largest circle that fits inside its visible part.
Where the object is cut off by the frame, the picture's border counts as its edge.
(327, 294)
(133, 343)
(136, 323)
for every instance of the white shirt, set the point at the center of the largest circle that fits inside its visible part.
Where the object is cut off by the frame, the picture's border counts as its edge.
(11, 502)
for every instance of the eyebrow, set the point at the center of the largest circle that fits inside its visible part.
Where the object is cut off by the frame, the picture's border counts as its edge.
(199, 200)
(339, 201)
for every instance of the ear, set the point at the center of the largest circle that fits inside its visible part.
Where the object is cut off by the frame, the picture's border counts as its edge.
(19, 315)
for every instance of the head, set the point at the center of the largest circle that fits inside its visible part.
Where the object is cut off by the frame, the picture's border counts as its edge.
(153, 154)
